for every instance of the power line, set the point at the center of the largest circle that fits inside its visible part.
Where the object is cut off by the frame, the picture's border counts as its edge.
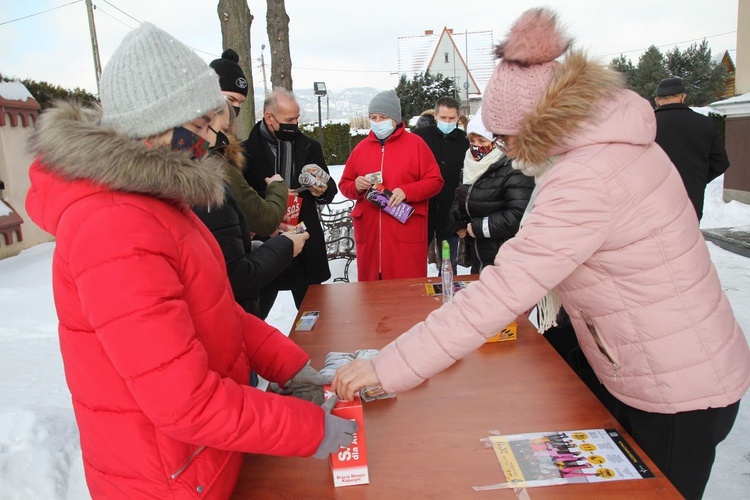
(99, 9)
(671, 44)
(38, 13)
(346, 70)
(119, 9)
(140, 22)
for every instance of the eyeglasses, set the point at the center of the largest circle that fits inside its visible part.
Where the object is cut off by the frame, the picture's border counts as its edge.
(499, 143)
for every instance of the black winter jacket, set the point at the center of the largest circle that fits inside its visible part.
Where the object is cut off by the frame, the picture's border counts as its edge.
(248, 270)
(449, 151)
(694, 145)
(312, 262)
(500, 196)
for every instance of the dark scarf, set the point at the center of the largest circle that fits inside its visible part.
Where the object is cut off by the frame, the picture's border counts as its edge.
(282, 153)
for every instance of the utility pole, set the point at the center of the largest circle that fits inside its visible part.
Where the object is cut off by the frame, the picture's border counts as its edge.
(263, 67)
(328, 108)
(94, 45)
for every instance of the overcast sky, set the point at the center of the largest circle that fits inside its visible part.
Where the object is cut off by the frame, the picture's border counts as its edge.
(345, 43)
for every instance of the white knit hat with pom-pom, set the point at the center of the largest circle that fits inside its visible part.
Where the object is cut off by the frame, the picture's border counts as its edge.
(528, 63)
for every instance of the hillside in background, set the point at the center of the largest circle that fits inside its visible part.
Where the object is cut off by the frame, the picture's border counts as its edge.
(339, 105)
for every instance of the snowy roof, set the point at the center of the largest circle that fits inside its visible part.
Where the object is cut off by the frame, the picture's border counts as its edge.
(14, 91)
(734, 106)
(475, 47)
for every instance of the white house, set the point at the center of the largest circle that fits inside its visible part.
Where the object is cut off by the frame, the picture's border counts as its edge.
(467, 58)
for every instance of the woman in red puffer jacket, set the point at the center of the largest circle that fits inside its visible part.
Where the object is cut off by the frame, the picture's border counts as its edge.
(157, 354)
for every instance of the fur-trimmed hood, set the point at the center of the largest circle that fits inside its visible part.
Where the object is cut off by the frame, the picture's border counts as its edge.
(71, 142)
(585, 104)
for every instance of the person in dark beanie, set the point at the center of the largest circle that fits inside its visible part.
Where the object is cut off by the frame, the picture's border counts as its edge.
(449, 145)
(263, 214)
(231, 78)
(691, 140)
(157, 354)
(387, 248)
(610, 233)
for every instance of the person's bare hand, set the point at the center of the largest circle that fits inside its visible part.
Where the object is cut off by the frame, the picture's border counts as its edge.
(469, 230)
(397, 197)
(461, 233)
(318, 191)
(349, 379)
(361, 184)
(274, 178)
(298, 239)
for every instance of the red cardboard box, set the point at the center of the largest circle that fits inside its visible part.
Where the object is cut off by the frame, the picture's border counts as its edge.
(349, 465)
(293, 206)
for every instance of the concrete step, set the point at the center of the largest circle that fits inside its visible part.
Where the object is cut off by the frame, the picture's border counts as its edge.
(734, 239)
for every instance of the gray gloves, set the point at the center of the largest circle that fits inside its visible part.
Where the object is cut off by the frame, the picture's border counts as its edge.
(307, 384)
(339, 431)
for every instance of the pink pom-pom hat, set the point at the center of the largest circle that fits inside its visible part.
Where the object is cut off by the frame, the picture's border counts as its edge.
(528, 64)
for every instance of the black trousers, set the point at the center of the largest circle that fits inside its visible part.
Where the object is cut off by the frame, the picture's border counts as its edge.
(682, 445)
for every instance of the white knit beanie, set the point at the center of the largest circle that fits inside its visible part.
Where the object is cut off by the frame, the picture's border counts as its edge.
(477, 127)
(153, 83)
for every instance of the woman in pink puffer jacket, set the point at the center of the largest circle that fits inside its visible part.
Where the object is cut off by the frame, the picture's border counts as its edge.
(611, 235)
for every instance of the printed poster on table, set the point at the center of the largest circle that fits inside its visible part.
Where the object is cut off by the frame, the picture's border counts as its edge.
(554, 458)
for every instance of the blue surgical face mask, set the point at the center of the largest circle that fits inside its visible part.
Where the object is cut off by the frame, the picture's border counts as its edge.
(446, 127)
(382, 129)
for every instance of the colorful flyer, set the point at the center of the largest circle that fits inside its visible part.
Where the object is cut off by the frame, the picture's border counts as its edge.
(567, 457)
(307, 321)
(437, 288)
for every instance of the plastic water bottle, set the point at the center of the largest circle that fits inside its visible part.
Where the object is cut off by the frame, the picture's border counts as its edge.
(446, 271)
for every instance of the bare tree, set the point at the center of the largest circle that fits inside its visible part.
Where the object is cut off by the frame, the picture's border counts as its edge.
(235, 19)
(277, 26)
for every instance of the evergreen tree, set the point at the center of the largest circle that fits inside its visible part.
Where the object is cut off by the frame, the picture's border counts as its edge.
(421, 92)
(46, 93)
(703, 78)
(649, 72)
(624, 66)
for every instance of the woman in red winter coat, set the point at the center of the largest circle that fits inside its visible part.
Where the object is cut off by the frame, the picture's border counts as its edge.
(386, 247)
(157, 354)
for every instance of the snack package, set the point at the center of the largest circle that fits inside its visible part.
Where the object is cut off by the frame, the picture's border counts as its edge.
(313, 175)
(335, 360)
(379, 196)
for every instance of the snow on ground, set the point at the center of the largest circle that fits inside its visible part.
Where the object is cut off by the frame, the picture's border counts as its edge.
(40, 457)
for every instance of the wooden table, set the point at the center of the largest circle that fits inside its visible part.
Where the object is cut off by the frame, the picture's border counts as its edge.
(425, 443)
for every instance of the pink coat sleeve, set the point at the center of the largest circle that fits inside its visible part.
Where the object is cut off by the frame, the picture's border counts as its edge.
(567, 225)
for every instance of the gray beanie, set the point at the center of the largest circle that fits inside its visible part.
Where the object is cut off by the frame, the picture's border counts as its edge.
(153, 83)
(386, 103)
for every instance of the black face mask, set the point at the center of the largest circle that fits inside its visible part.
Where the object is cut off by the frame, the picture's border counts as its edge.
(236, 110)
(286, 131)
(222, 141)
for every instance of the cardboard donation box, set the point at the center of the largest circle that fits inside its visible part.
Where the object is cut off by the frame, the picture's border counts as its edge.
(293, 206)
(349, 465)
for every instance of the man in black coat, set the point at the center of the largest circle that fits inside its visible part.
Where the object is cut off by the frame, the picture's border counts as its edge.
(276, 146)
(690, 139)
(449, 144)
